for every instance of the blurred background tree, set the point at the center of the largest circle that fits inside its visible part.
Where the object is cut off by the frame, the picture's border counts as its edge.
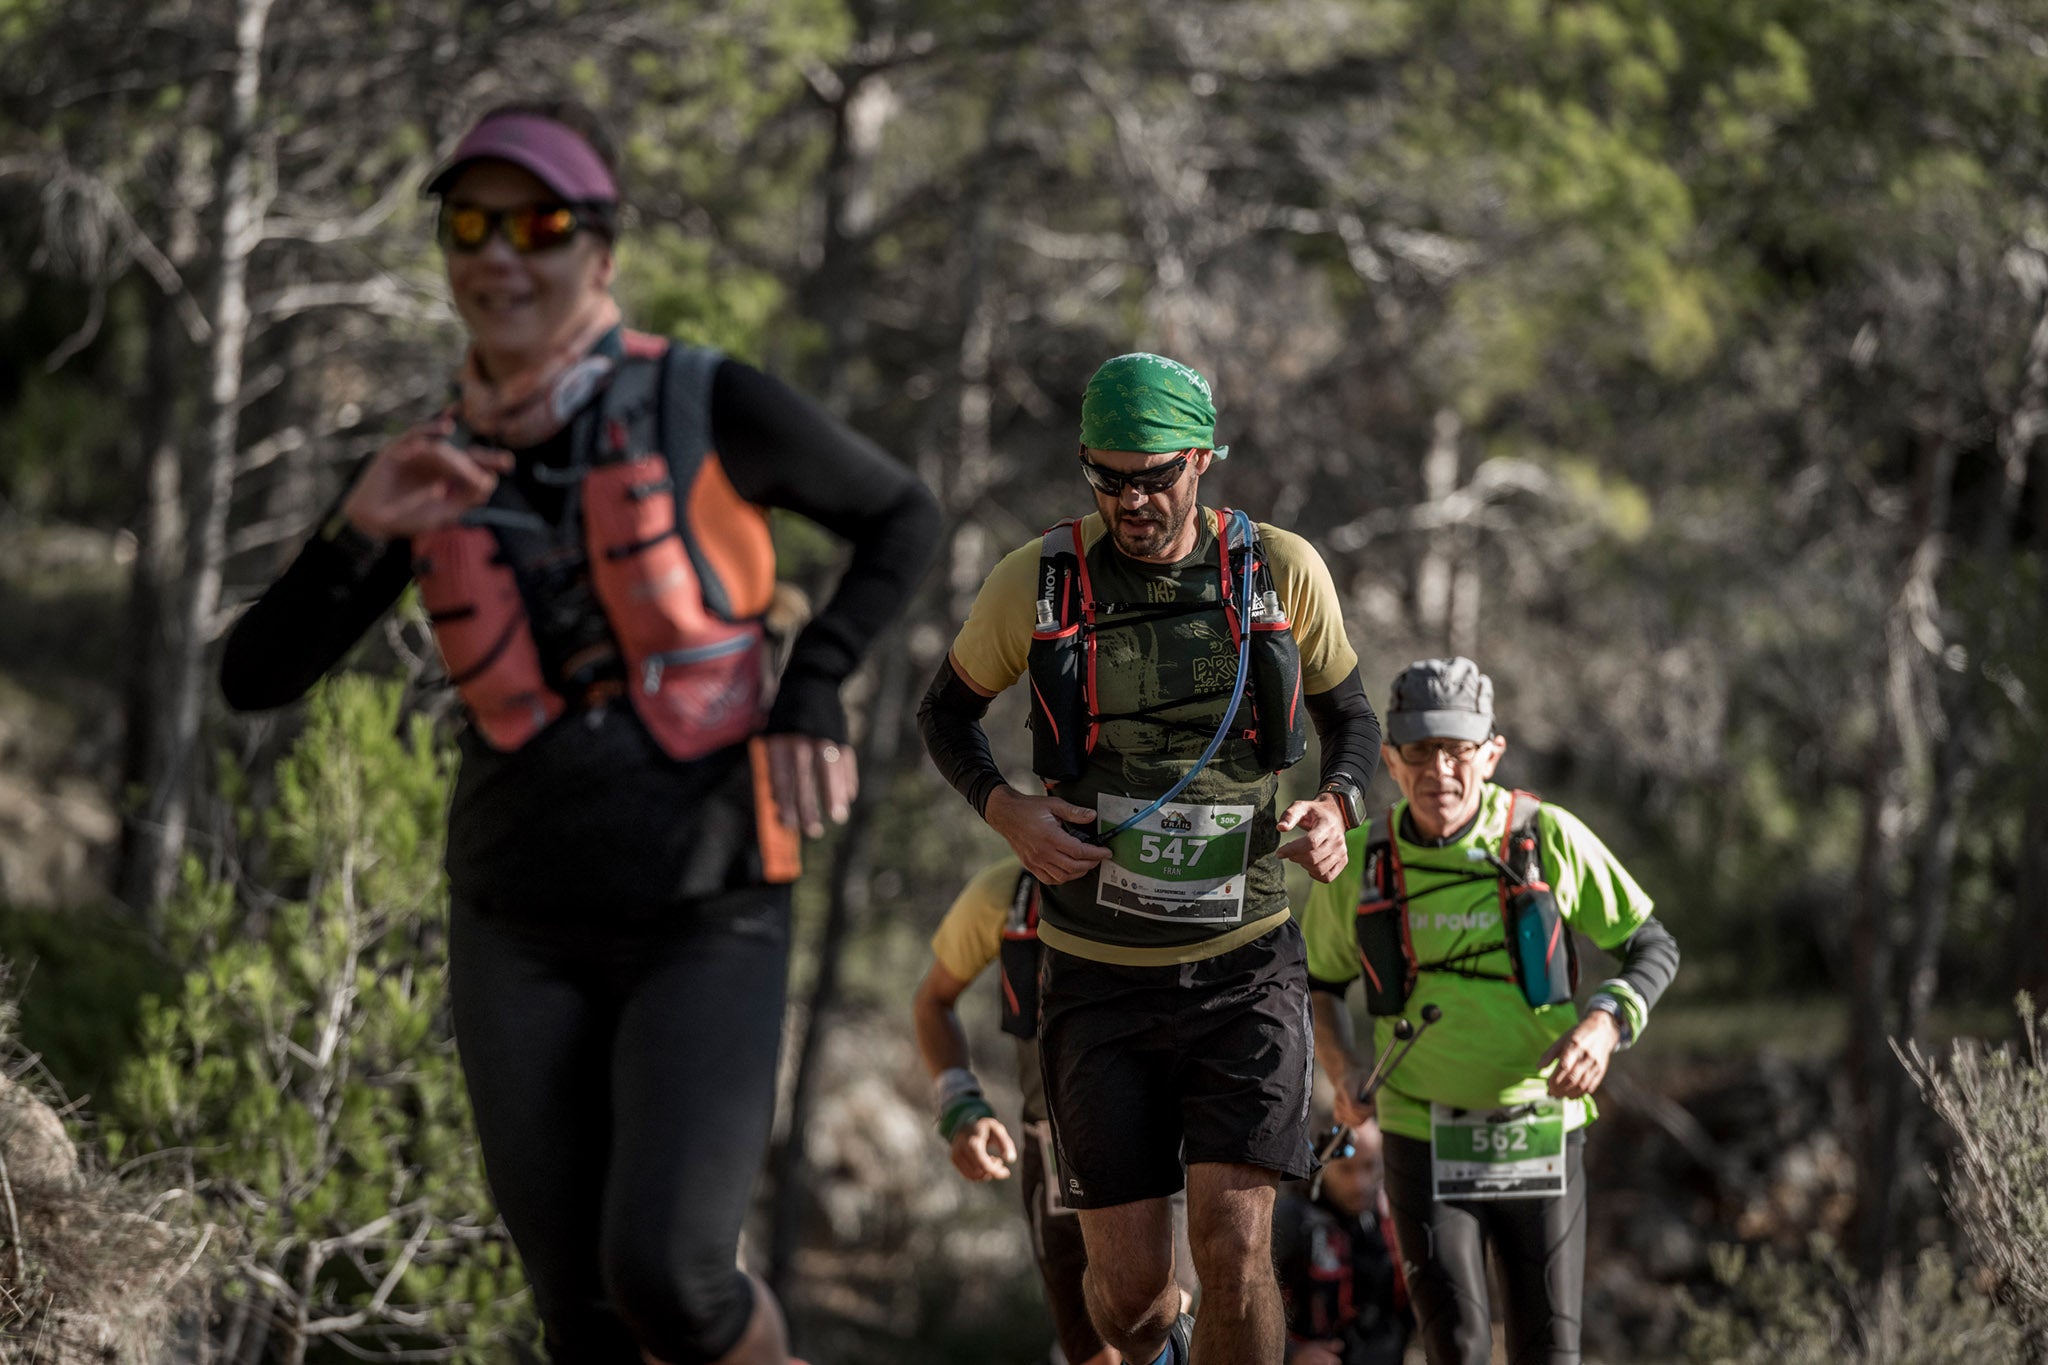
(1685, 363)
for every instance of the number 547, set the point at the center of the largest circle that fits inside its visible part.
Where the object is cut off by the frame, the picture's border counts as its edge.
(1152, 848)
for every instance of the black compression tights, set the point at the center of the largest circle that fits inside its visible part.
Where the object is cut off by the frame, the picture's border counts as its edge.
(623, 1083)
(1540, 1245)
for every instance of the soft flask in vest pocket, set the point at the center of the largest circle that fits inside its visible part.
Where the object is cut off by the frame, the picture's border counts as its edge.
(1276, 685)
(1540, 949)
(1061, 714)
(1386, 960)
(1019, 960)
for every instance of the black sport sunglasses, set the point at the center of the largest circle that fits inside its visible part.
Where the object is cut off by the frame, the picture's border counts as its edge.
(1111, 483)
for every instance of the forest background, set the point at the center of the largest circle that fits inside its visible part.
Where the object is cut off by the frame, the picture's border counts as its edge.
(1684, 361)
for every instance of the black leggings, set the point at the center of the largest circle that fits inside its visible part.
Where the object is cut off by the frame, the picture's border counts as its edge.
(623, 1080)
(1539, 1244)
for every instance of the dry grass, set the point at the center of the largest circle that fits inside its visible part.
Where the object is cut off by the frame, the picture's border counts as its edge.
(1996, 1101)
(85, 1273)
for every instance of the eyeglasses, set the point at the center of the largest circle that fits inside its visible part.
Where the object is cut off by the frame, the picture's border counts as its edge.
(537, 227)
(1422, 753)
(1157, 479)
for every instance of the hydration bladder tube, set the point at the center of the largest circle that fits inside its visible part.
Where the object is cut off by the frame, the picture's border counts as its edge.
(1242, 524)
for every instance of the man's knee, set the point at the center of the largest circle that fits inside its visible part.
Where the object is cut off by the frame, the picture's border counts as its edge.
(1130, 1285)
(1232, 1239)
(1128, 1301)
(1233, 1266)
(684, 1309)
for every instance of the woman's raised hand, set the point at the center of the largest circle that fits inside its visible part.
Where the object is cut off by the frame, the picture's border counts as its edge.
(422, 482)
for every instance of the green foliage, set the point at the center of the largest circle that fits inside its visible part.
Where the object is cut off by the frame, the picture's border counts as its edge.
(1785, 1311)
(21, 20)
(674, 287)
(62, 445)
(303, 1070)
(82, 975)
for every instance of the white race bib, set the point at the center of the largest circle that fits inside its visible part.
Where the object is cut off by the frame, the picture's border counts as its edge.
(1512, 1153)
(1184, 863)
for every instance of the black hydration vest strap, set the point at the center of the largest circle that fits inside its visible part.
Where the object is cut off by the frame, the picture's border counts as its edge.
(685, 435)
(1387, 868)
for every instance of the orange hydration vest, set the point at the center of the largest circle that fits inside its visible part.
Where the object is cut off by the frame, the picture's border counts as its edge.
(679, 563)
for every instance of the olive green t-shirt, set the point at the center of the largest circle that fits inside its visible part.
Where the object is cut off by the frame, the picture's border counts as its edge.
(1229, 808)
(1483, 1052)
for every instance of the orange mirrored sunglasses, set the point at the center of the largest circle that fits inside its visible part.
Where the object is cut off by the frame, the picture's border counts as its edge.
(540, 227)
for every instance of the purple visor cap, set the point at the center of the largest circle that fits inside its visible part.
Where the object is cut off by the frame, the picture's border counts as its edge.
(557, 154)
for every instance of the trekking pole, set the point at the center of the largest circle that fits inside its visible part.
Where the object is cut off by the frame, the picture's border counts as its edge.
(1384, 1067)
(1403, 1031)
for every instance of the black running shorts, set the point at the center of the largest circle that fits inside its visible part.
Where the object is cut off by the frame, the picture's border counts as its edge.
(1148, 1068)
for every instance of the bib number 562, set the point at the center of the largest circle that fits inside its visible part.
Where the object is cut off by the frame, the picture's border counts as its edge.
(1500, 1141)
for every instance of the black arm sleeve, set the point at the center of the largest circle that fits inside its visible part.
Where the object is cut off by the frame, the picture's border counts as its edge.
(949, 718)
(1649, 959)
(1336, 988)
(311, 616)
(781, 450)
(1347, 730)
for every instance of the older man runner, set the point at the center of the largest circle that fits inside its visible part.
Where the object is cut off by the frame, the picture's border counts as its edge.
(1171, 652)
(1464, 896)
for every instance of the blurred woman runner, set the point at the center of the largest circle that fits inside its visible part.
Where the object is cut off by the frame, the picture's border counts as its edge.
(587, 525)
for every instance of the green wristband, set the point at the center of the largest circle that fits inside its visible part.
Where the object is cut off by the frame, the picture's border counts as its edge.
(963, 1110)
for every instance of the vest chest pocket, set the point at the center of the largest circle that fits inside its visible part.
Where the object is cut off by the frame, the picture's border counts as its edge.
(694, 678)
(486, 641)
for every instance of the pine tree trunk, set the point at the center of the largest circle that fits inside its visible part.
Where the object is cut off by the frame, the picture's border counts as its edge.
(880, 759)
(160, 551)
(1875, 1072)
(173, 769)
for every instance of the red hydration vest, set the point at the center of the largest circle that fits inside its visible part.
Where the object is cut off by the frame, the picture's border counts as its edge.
(679, 563)
(1066, 717)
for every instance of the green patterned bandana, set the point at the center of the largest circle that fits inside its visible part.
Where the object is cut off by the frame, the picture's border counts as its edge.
(1147, 403)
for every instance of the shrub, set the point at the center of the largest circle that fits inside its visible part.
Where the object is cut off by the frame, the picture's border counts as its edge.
(303, 1076)
(1997, 1103)
(1787, 1311)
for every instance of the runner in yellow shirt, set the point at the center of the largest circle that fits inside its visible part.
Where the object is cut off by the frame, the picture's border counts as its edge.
(995, 920)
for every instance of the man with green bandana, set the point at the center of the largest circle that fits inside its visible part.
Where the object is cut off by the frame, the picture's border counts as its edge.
(1484, 1115)
(1171, 651)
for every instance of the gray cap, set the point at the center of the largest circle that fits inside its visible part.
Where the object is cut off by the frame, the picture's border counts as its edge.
(1441, 699)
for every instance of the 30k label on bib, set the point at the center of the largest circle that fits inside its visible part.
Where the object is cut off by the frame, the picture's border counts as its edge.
(1184, 863)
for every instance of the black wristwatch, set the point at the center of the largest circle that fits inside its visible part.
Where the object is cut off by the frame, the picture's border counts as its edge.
(1350, 800)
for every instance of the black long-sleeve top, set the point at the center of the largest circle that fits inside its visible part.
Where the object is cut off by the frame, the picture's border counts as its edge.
(590, 814)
